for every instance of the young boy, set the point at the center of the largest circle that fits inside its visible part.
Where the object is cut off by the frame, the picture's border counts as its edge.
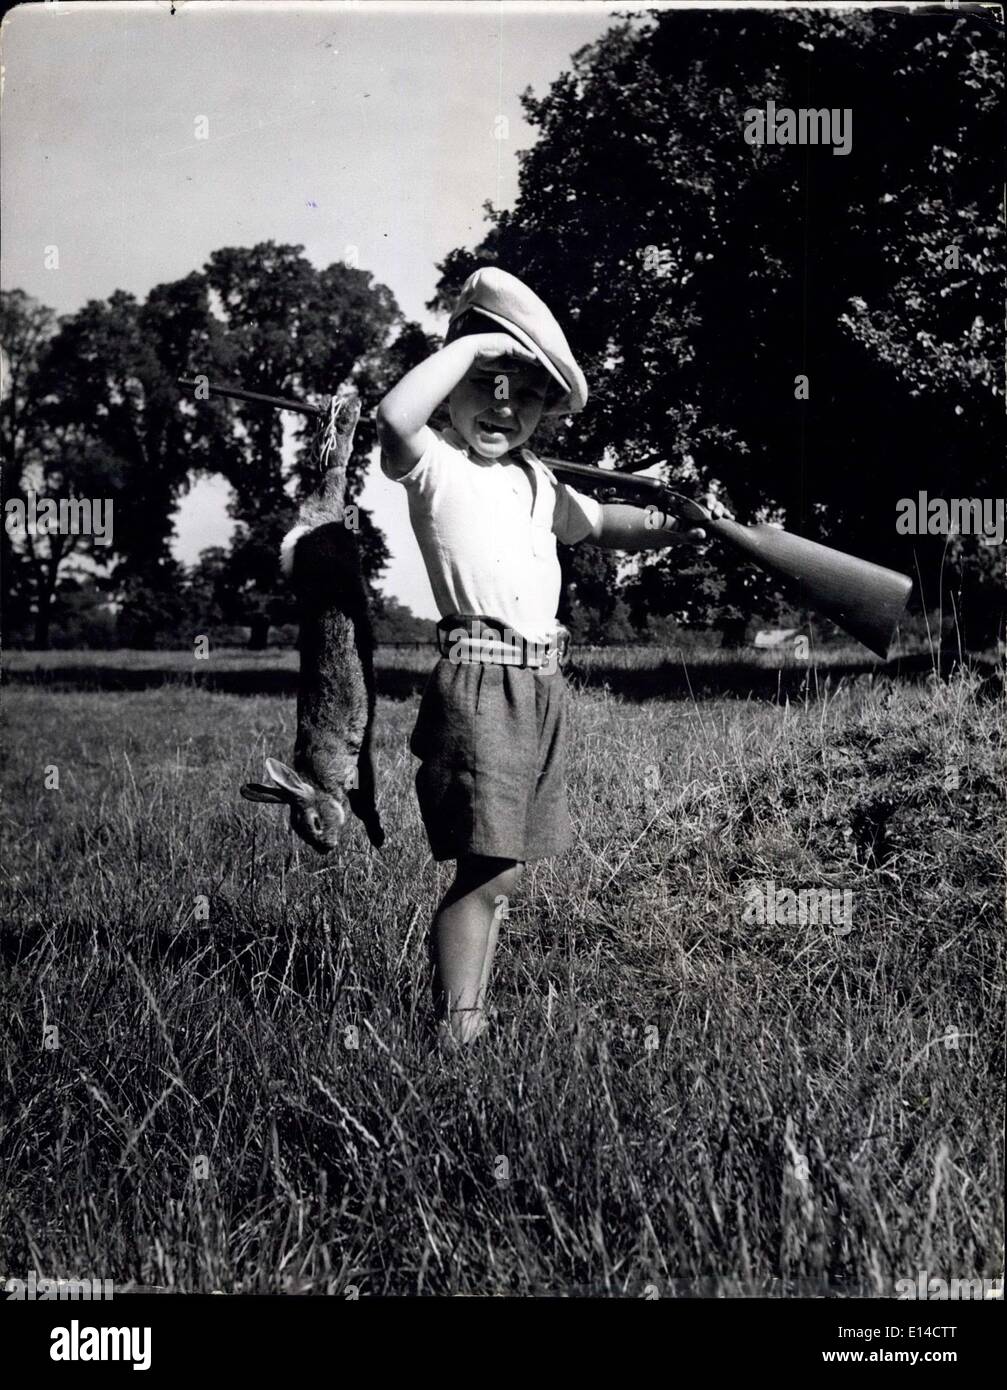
(491, 729)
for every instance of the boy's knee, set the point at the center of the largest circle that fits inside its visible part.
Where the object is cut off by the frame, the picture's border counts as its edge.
(506, 881)
(490, 878)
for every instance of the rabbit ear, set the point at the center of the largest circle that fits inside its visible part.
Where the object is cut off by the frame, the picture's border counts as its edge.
(291, 782)
(258, 791)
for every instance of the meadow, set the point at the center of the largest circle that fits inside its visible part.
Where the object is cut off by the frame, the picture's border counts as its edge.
(217, 1059)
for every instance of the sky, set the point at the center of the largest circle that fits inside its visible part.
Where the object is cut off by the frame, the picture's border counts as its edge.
(136, 141)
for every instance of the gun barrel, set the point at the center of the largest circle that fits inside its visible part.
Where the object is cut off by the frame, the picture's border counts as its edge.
(610, 477)
(255, 397)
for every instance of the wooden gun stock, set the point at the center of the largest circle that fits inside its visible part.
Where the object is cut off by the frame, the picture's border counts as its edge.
(865, 599)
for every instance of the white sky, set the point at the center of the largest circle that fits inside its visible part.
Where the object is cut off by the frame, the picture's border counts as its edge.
(330, 125)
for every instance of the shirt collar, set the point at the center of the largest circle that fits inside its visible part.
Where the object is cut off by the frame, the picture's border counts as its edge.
(522, 453)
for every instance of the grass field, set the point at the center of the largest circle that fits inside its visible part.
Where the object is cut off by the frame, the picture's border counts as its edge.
(217, 1064)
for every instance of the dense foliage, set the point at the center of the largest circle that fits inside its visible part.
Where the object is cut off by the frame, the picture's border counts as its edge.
(700, 277)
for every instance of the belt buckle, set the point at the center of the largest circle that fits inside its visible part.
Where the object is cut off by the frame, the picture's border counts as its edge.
(556, 651)
(559, 647)
(448, 628)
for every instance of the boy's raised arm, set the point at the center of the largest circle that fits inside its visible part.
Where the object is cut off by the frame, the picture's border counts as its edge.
(402, 416)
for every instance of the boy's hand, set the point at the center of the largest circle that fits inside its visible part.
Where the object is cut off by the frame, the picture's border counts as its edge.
(625, 527)
(494, 347)
(402, 416)
(673, 530)
(710, 508)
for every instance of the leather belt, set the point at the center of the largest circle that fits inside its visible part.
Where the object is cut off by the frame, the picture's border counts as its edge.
(473, 638)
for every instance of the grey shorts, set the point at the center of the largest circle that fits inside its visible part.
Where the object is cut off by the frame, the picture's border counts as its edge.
(492, 778)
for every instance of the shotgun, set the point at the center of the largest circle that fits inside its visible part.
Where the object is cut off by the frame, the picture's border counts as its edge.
(864, 599)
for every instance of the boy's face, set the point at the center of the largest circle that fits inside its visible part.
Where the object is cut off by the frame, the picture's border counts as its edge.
(497, 405)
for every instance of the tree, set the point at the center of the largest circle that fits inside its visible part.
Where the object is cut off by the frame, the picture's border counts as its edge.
(111, 371)
(45, 456)
(702, 279)
(398, 623)
(292, 330)
(92, 409)
(25, 328)
(92, 414)
(155, 608)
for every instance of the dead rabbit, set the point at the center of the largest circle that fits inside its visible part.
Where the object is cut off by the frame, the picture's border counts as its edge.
(333, 767)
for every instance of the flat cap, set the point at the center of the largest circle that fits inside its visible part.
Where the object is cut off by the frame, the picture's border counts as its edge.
(509, 302)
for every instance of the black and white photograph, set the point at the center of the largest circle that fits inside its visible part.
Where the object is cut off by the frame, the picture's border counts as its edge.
(503, 680)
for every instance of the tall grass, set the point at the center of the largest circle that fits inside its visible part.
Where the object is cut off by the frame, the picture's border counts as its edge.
(243, 1092)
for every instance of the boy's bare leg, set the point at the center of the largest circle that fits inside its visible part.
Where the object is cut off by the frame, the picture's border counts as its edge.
(463, 940)
(499, 913)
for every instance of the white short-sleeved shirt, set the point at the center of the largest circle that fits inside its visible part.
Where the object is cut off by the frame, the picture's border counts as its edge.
(487, 531)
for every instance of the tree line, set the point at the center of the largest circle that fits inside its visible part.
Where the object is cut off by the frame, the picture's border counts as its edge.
(818, 336)
(92, 409)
